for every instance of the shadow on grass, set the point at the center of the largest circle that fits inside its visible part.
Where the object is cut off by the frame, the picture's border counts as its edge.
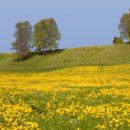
(50, 52)
(30, 55)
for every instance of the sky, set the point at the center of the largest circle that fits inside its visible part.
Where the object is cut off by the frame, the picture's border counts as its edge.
(81, 22)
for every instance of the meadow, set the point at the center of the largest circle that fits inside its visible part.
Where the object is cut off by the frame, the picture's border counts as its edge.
(74, 98)
(60, 59)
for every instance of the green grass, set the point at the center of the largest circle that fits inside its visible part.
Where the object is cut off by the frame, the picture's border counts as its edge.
(83, 56)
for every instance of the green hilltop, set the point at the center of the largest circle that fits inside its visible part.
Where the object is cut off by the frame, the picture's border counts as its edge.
(82, 56)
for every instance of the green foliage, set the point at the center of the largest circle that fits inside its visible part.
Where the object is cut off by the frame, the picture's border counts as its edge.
(22, 42)
(46, 34)
(117, 40)
(125, 26)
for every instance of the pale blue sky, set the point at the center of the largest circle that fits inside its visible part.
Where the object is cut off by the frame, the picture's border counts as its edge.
(81, 22)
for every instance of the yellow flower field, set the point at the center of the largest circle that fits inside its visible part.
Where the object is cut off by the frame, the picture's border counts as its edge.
(77, 98)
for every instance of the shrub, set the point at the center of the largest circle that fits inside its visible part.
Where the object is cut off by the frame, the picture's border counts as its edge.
(117, 40)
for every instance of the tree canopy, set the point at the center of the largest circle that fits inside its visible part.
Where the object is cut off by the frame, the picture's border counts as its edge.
(22, 36)
(124, 26)
(46, 35)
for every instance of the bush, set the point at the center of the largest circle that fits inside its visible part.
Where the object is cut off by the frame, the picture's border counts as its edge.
(117, 40)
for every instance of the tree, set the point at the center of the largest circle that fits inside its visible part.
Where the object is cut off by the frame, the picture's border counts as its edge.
(46, 35)
(117, 40)
(22, 42)
(124, 26)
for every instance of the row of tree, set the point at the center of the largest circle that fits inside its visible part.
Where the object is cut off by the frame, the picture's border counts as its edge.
(124, 28)
(44, 37)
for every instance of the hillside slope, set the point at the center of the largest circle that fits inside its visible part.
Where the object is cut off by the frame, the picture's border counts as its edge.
(83, 56)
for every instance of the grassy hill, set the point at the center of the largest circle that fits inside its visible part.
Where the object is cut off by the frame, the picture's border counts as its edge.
(89, 96)
(83, 56)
